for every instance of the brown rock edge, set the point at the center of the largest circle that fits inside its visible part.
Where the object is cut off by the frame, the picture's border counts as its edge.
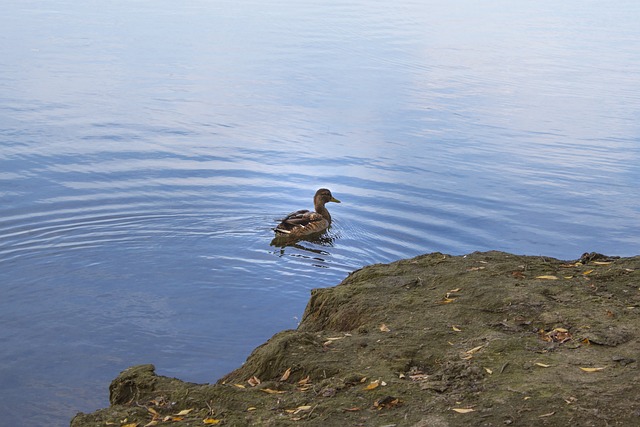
(487, 339)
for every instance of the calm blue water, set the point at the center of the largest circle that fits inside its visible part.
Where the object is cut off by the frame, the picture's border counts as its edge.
(146, 148)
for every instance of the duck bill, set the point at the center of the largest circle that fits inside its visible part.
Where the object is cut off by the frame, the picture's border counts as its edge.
(334, 200)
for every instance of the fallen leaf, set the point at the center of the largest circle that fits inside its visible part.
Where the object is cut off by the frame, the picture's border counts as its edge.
(386, 402)
(153, 411)
(305, 380)
(542, 365)
(184, 412)
(239, 385)
(474, 349)
(254, 381)
(489, 371)
(447, 300)
(591, 369)
(602, 262)
(587, 272)
(130, 425)
(453, 291)
(286, 374)
(384, 328)
(570, 265)
(547, 277)
(252, 408)
(211, 421)
(547, 415)
(456, 329)
(372, 385)
(463, 410)
(271, 391)
(559, 335)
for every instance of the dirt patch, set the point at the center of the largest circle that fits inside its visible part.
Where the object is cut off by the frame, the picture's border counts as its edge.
(486, 339)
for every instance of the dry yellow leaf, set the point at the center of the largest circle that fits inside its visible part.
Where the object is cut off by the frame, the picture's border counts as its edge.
(130, 425)
(474, 349)
(252, 408)
(456, 329)
(587, 272)
(211, 421)
(463, 410)
(447, 300)
(592, 369)
(547, 277)
(542, 365)
(453, 291)
(489, 371)
(239, 385)
(271, 391)
(184, 412)
(570, 265)
(384, 328)
(372, 385)
(286, 374)
(254, 381)
(305, 380)
(602, 262)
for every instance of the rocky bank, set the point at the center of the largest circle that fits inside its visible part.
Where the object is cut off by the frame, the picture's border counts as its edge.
(486, 339)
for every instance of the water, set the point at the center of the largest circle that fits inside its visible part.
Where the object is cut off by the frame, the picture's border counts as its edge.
(146, 148)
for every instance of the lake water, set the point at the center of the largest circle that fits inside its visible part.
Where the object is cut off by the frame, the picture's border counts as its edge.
(146, 148)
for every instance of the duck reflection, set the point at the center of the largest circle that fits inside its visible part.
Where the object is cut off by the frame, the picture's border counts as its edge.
(320, 239)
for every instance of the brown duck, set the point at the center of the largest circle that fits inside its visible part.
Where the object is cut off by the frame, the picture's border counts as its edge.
(304, 222)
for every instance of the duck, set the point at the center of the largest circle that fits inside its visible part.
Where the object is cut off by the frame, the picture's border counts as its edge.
(304, 222)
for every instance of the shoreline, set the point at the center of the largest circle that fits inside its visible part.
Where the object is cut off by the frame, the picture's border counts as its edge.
(488, 338)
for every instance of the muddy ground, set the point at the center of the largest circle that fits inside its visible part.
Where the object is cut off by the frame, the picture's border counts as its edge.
(487, 339)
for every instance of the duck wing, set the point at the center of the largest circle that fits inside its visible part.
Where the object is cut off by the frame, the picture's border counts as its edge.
(298, 219)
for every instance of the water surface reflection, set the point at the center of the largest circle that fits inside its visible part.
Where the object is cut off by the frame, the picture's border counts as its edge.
(146, 148)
